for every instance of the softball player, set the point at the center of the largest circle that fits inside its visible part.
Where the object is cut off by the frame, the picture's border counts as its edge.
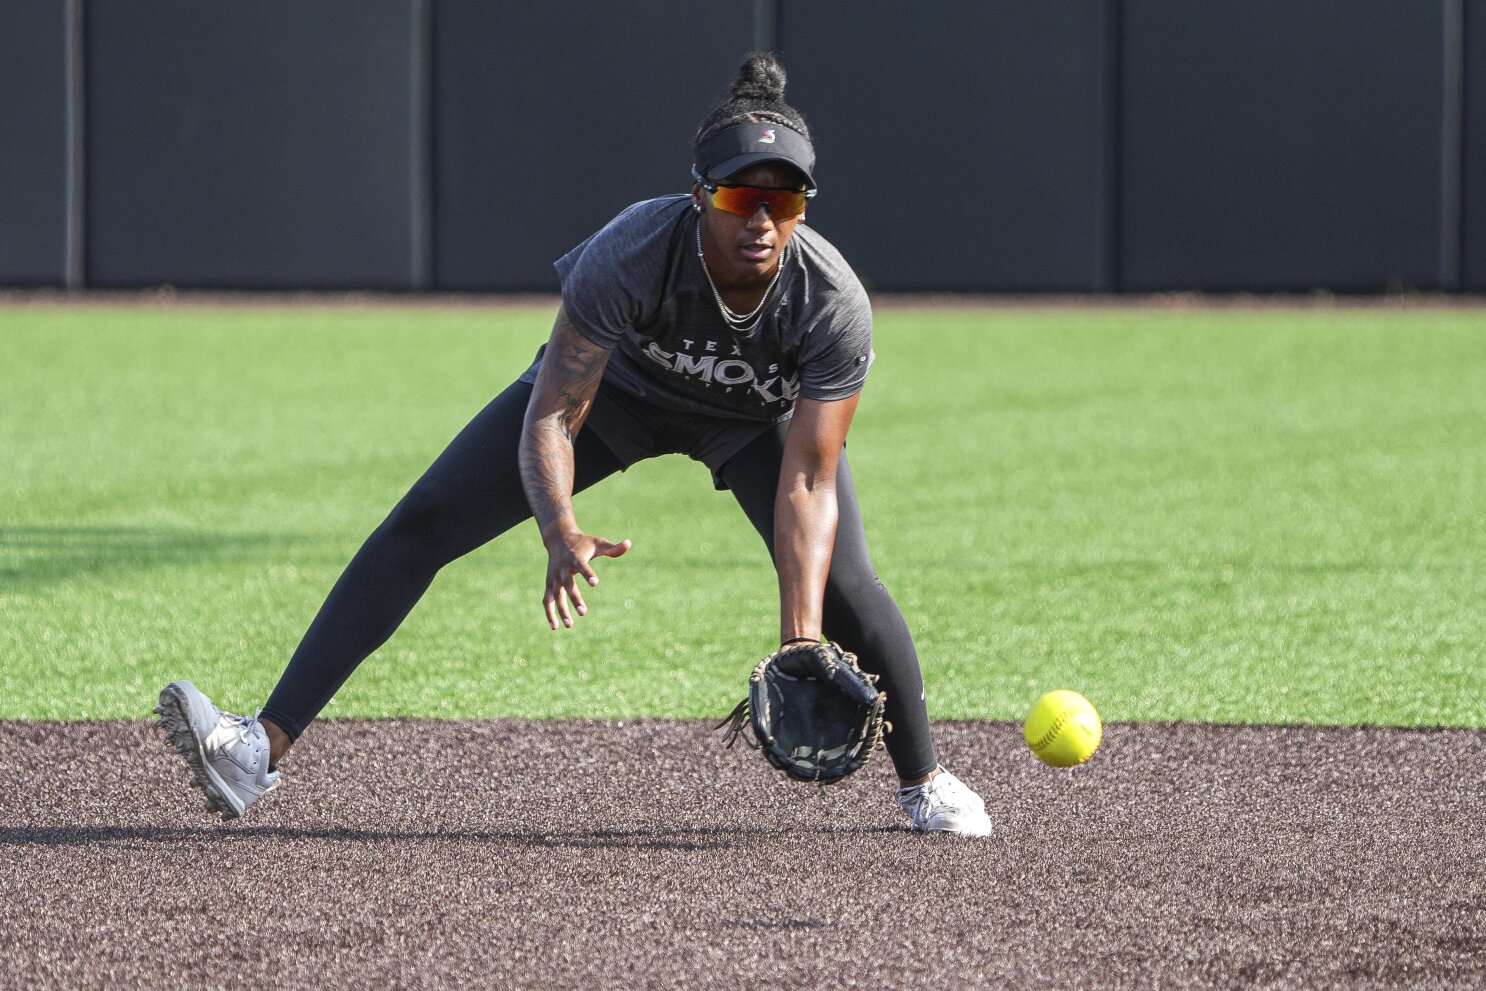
(714, 325)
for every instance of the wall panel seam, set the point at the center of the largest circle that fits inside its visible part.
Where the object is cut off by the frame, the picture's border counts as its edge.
(1452, 146)
(74, 268)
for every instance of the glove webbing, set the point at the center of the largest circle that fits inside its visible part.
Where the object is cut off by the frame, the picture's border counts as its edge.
(737, 721)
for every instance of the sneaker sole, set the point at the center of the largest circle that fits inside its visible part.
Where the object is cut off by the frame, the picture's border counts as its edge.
(978, 833)
(962, 827)
(180, 734)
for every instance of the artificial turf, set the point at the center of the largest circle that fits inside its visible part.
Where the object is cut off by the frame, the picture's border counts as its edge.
(1272, 515)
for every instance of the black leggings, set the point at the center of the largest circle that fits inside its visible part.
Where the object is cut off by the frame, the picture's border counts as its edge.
(472, 493)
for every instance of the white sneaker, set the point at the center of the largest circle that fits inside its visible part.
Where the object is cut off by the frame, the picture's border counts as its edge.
(945, 804)
(228, 754)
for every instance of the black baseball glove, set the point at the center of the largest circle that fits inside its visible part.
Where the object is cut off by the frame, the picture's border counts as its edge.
(815, 715)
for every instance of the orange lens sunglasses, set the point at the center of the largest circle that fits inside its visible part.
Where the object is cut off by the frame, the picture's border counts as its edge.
(783, 204)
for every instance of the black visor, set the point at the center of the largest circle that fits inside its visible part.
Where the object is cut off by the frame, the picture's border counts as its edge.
(735, 148)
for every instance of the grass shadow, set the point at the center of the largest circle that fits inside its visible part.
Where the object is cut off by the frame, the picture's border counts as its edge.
(40, 555)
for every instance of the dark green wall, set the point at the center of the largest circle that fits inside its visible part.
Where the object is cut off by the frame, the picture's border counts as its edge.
(970, 145)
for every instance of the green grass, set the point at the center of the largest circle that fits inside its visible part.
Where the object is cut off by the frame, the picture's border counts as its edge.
(1217, 515)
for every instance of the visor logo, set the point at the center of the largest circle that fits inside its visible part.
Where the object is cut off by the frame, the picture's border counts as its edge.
(767, 138)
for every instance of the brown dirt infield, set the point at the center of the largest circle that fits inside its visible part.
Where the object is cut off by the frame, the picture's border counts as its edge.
(512, 854)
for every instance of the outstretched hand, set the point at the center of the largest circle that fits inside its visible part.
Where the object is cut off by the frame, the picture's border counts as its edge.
(568, 557)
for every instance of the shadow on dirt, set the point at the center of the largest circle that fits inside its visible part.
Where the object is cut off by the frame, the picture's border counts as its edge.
(669, 839)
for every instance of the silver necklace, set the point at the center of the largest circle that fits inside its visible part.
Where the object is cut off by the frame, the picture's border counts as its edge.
(743, 323)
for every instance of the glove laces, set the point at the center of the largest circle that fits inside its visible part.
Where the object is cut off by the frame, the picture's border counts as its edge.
(737, 721)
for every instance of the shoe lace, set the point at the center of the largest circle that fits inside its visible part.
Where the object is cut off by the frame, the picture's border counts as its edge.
(940, 791)
(915, 802)
(247, 726)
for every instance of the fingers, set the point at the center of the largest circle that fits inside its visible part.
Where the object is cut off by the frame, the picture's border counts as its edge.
(602, 548)
(563, 598)
(564, 595)
(556, 605)
(577, 596)
(608, 549)
(550, 603)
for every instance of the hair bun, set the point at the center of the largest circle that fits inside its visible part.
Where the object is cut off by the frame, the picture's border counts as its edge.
(760, 77)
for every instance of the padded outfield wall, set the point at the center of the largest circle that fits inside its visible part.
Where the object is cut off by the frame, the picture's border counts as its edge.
(967, 145)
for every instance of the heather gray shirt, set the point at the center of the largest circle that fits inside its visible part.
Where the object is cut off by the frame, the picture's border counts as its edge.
(637, 287)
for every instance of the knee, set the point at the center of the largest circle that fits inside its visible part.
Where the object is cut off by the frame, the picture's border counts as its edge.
(858, 598)
(847, 584)
(418, 518)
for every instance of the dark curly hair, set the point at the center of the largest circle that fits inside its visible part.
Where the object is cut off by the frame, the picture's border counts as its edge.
(756, 96)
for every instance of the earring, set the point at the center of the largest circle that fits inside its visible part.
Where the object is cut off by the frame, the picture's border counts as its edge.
(697, 207)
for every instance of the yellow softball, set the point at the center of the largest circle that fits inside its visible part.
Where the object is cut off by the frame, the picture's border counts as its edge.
(1063, 728)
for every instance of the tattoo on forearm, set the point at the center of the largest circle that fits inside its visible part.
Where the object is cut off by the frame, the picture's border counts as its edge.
(580, 365)
(571, 370)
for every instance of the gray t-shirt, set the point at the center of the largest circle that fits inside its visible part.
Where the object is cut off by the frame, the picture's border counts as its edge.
(638, 288)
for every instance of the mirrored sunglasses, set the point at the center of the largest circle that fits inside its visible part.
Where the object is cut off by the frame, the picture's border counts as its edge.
(783, 204)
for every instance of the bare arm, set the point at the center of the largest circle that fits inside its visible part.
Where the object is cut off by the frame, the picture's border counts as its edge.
(572, 367)
(805, 512)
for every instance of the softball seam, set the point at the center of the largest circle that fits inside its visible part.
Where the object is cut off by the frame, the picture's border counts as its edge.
(1052, 731)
